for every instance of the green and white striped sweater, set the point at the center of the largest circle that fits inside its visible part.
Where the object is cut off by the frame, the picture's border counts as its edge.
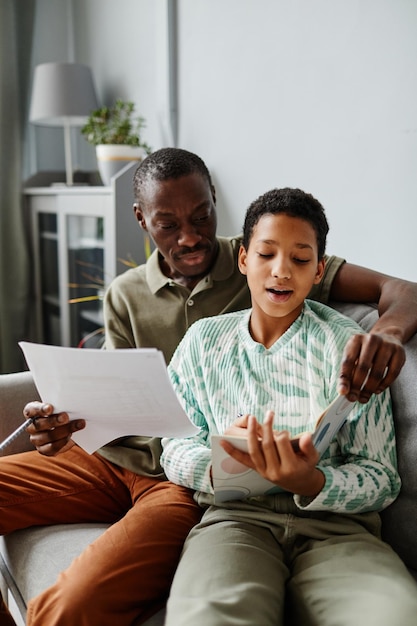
(218, 371)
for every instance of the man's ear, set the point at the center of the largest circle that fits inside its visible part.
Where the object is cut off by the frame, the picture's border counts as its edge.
(241, 260)
(213, 193)
(139, 215)
(320, 271)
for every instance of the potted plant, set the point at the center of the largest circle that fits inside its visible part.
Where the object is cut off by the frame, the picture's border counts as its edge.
(116, 133)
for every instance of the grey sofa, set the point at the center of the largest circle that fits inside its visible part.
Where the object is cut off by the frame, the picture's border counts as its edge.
(31, 559)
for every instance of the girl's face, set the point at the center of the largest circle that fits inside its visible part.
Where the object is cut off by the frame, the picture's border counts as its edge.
(281, 265)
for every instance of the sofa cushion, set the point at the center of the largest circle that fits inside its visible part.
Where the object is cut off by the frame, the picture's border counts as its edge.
(399, 521)
(32, 558)
(42, 552)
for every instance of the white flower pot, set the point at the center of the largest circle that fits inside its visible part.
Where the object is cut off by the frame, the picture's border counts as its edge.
(112, 157)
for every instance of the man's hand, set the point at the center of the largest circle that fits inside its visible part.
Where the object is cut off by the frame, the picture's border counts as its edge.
(380, 352)
(51, 432)
(372, 361)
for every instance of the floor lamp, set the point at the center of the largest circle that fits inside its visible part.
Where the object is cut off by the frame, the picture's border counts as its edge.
(63, 94)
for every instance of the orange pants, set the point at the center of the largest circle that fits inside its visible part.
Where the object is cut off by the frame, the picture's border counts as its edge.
(124, 576)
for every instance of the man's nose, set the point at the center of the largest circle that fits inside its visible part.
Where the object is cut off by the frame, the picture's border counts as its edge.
(189, 236)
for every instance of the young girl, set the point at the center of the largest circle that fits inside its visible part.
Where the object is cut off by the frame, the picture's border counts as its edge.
(317, 542)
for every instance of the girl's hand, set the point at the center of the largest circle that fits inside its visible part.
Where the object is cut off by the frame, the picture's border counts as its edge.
(272, 456)
(240, 427)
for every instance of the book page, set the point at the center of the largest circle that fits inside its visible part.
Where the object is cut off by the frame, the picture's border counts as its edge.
(233, 480)
(329, 423)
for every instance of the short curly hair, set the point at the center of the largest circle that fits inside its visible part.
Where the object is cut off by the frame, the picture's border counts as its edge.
(292, 202)
(168, 163)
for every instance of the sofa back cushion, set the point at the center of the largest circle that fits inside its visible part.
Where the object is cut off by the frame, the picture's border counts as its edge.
(15, 391)
(399, 521)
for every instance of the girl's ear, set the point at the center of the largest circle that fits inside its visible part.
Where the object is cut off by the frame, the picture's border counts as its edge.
(139, 215)
(241, 260)
(320, 271)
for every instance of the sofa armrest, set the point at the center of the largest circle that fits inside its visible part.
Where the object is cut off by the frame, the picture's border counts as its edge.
(16, 390)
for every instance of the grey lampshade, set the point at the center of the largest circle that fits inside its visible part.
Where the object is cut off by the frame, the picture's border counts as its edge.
(62, 93)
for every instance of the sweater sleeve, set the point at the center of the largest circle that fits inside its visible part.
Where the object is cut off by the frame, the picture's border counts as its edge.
(187, 461)
(360, 467)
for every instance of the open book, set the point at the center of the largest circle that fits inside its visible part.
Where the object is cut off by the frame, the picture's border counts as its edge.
(234, 481)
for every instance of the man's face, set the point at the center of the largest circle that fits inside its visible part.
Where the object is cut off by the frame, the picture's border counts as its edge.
(180, 216)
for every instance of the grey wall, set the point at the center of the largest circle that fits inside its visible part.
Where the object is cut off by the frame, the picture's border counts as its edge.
(319, 94)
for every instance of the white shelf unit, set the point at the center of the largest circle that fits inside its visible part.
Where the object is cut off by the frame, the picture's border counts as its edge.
(79, 233)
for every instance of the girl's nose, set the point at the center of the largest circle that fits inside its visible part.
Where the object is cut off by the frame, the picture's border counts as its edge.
(281, 269)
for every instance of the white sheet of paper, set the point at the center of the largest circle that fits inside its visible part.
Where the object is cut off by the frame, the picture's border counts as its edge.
(118, 392)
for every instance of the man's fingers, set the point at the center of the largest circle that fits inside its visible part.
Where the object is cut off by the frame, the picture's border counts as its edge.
(54, 448)
(357, 362)
(53, 439)
(371, 362)
(35, 409)
(393, 370)
(48, 423)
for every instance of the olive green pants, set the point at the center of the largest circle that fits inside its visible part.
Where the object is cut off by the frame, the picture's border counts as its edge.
(249, 563)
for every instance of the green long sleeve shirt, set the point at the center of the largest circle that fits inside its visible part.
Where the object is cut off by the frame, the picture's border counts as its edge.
(219, 371)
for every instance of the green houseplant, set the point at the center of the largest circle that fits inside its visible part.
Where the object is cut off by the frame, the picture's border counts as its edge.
(116, 132)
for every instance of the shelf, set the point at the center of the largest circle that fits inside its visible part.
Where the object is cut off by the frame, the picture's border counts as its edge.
(95, 317)
(49, 236)
(78, 235)
(51, 300)
(87, 243)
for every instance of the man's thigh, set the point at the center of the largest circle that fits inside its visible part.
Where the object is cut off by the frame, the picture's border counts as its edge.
(71, 487)
(352, 580)
(126, 573)
(231, 572)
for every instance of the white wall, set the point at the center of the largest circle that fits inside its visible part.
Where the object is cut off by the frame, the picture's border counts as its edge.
(319, 94)
(51, 42)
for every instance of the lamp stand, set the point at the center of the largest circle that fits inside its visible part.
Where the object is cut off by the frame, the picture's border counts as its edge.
(68, 152)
